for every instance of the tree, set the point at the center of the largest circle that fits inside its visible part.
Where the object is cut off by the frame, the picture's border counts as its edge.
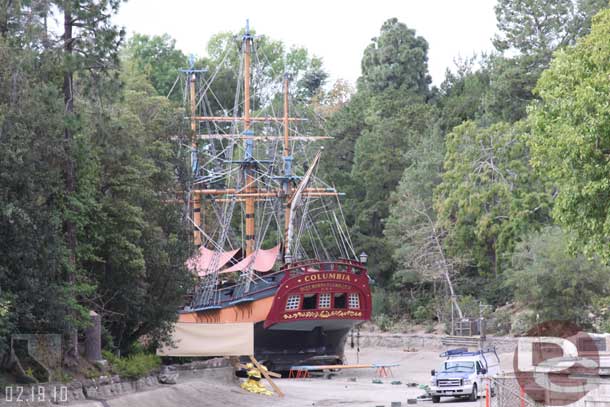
(32, 248)
(571, 137)
(463, 94)
(533, 29)
(379, 162)
(489, 196)
(397, 59)
(412, 228)
(553, 282)
(408, 228)
(89, 45)
(538, 27)
(392, 116)
(157, 58)
(271, 59)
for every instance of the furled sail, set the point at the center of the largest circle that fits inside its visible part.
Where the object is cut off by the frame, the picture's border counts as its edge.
(261, 261)
(201, 263)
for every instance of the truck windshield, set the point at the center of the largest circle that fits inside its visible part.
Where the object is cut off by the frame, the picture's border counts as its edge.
(463, 367)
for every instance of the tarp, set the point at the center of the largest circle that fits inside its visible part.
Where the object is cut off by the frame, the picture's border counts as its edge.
(200, 263)
(194, 339)
(261, 260)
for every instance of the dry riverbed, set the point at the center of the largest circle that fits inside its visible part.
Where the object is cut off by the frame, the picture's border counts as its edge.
(340, 390)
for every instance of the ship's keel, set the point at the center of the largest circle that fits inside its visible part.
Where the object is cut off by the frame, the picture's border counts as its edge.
(280, 349)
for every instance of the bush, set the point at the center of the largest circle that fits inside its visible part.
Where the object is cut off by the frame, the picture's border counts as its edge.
(384, 322)
(134, 366)
(424, 313)
(380, 302)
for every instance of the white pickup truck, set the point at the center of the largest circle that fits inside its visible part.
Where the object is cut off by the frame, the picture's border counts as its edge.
(462, 373)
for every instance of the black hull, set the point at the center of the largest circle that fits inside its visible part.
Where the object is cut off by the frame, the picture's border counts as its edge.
(281, 349)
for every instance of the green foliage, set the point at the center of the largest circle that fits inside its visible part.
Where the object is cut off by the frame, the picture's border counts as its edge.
(140, 241)
(33, 258)
(463, 94)
(372, 132)
(384, 322)
(134, 366)
(410, 227)
(489, 196)
(157, 58)
(397, 59)
(571, 137)
(534, 29)
(129, 245)
(554, 283)
(539, 27)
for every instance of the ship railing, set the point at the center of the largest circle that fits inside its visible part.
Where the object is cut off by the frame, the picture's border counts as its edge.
(224, 295)
(313, 265)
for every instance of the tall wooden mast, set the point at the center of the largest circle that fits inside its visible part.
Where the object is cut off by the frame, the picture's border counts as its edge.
(249, 163)
(287, 162)
(248, 193)
(196, 196)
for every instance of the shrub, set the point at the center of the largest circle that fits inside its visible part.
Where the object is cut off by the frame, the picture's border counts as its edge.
(384, 322)
(134, 366)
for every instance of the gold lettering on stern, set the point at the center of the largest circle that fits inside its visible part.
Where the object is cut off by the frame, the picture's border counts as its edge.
(323, 314)
(325, 287)
(327, 276)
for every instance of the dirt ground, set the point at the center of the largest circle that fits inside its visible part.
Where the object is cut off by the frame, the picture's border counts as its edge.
(340, 390)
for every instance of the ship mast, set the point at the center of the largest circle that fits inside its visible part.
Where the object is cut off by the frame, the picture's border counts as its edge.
(249, 163)
(287, 164)
(249, 193)
(191, 74)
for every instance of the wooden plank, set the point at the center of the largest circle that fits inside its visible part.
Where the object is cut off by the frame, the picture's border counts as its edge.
(272, 374)
(326, 367)
(264, 372)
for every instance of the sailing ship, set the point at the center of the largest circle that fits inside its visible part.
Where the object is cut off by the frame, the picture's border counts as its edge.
(272, 246)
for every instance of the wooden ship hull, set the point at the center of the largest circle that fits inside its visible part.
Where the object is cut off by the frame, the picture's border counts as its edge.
(301, 314)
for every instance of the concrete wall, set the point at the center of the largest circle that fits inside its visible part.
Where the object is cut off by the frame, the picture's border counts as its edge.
(424, 341)
(99, 391)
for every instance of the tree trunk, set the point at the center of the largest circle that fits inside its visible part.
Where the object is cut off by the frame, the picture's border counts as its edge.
(93, 338)
(69, 173)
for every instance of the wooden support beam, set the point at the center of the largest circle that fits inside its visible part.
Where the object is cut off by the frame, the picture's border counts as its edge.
(259, 138)
(272, 374)
(266, 374)
(241, 119)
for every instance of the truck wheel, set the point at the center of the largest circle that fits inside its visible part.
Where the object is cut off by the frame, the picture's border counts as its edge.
(474, 396)
(436, 399)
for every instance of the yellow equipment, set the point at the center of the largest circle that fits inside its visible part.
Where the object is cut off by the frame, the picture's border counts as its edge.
(253, 383)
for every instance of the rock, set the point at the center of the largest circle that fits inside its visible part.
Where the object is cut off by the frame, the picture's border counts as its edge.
(101, 364)
(25, 379)
(168, 378)
(168, 369)
(89, 383)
